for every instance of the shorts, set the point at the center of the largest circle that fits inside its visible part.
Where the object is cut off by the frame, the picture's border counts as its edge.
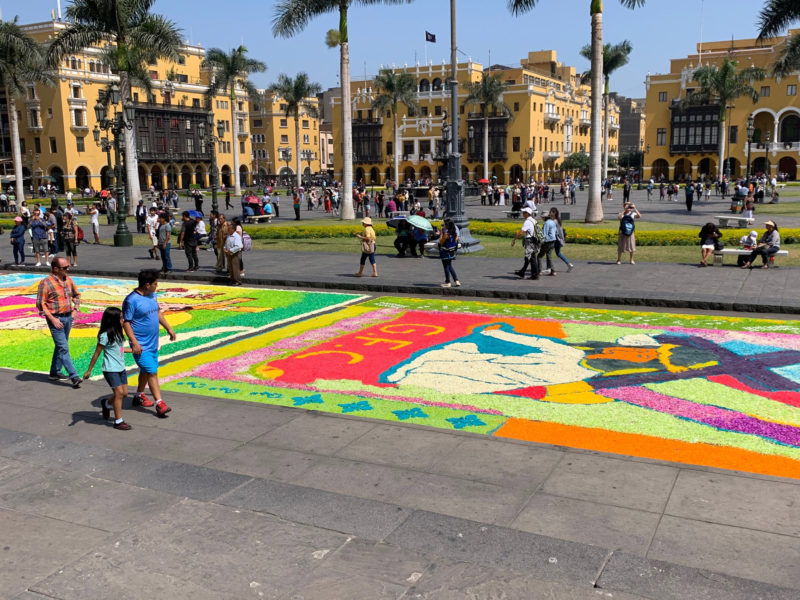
(707, 246)
(96, 228)
(116, 379)
(147, 361)
(40, 246)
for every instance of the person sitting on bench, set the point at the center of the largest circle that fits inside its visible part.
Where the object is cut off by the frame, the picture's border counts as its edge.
(767, 247)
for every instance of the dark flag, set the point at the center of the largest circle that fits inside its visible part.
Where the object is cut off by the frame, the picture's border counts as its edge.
(429, 37)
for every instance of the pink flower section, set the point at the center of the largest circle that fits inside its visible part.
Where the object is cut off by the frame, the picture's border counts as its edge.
(235, 368)
(714, 416)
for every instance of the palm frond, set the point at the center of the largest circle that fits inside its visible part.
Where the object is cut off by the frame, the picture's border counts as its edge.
(632, 3)
(159, 35)
(788, 60)
(518, 7)
(291, 16)
(332, 38)
(776, 16)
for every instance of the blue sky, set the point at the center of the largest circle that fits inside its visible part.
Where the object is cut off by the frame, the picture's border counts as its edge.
(383, 35)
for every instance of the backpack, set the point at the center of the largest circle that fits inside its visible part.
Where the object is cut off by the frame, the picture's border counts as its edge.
(538, 233)
(80, 235)
(626, 225)
(247, 241)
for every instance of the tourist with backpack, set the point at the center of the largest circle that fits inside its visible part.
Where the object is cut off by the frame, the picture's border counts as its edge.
(626, 239)
(532, 239)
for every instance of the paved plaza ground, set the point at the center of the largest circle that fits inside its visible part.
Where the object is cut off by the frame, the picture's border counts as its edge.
(324, 494)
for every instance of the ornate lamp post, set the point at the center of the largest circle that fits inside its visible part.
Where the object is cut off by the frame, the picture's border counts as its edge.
(750, 130)
(117, 125)
(286, 155)
(766, 154)
(308, 155)
(527, 156)
(641, 163)
(212, 141)
(455, 186)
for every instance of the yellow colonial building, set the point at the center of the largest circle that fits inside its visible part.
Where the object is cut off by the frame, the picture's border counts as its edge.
(550, 119)
(274, 148)
(56, 123)
(684, 143)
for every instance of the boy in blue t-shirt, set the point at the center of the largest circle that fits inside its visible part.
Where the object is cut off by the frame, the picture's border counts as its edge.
(142, 317)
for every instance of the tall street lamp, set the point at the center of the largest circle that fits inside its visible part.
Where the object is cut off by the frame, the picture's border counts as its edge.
(308, 155)
(118, 125)
(527, 156)
(641, 163)
(212, 142)
(286, 155)
(766, 154)
(750, 130)
(455, 186)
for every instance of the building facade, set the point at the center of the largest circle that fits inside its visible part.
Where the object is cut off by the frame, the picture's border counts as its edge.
(274, 141)
(550, 119)
(683, 142)
(632, 122)
(57, 122)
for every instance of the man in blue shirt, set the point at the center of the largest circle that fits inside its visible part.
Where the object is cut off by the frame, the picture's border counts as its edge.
(141, 319)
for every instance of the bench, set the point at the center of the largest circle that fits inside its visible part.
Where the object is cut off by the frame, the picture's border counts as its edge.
(720, 254)
(727, 220)
(399, 213)
(258, 218)
(513, 214)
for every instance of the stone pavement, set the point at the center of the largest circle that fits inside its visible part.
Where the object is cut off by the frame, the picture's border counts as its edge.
(228, 499)
(599, 281)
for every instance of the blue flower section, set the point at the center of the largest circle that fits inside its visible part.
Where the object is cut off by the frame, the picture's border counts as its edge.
(747, 349)
(356, 406)
(414, 413)
(468, 421)
(302, 400)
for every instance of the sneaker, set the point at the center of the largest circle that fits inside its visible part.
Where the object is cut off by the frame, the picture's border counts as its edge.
(106, 409)
(457, 284)
(122, 426)
(445, 285)
(76, 382)
(570, 267)
(38, 264)
(57, 377)
(142, 400)
(162, 409)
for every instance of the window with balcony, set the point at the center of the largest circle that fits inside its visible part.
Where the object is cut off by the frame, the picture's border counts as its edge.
(425, 147)
(76, 91)
(78, 118)
(408, 148)
(306, 139)
(424, 111)
(35, 122)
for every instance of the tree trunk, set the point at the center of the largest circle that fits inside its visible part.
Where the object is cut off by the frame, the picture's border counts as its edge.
(298, 163)
(396, 148)
(237, 185)
(485, 147)
(722, 132)
(16, 150)
(133, 192)
(606, 122)
(594, 209)
(346, 196)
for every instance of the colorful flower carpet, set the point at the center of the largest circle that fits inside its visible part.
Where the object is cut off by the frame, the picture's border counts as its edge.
(704, 390)
(202, 315)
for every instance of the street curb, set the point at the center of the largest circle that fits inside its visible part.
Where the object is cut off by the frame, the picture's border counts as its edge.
(568, 297)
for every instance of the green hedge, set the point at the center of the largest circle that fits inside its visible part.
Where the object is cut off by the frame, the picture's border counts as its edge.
(606, 237)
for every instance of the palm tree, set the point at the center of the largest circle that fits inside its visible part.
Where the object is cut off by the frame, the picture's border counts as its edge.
(594, 209)
(488, 93)
(291, 17)
(134, 35)
(295, 94)
(722, 85)
(395, 89)
(21, 63)
(614, 57)
(774, 17)
(230, 72)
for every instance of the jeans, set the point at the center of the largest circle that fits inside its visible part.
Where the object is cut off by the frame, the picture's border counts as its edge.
(447, 263)
(191, 255)
(558, 248)
(166, 260)
(61, 357)
(546, 252)
(19, 252)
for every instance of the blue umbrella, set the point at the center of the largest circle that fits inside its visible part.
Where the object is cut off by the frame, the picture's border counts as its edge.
(420, 222)
(195, 214)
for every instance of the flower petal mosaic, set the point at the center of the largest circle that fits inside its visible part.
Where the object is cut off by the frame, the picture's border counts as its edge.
(705, 390)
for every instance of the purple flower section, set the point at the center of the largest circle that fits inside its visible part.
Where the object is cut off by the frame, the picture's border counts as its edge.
(727, 420)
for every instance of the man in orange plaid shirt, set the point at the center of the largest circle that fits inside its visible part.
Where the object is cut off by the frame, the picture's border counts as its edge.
(56, 298)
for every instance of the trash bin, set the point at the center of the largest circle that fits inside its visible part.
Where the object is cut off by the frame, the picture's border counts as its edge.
(359, 214)
(565, 216)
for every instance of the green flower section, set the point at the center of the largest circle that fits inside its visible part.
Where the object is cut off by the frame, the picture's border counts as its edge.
(342, 403)
(595, 315)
